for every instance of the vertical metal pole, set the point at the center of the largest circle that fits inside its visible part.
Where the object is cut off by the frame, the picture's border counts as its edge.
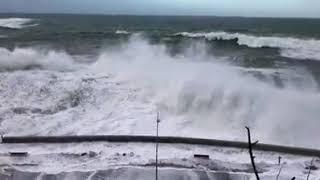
(157, 139)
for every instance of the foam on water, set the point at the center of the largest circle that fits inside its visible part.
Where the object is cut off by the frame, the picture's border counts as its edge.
(16, 23)
(200, 97)
(22, 58)
(122, 91)
(290, 47)
(122, 32)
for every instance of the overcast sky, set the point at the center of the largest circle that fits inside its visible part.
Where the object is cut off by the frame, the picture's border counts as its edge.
(257, 8)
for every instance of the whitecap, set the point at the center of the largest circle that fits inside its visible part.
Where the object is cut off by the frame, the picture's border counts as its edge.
(16, 23)
(289, 46)
(122, 32)
(28, 58)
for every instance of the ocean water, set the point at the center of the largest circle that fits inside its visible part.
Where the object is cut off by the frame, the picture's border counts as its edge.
(208, 77)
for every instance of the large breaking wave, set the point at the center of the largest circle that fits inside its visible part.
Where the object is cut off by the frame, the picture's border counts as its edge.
(121, 92)
(28, 58)
(16, 23)
(204, 98)
(290, 47)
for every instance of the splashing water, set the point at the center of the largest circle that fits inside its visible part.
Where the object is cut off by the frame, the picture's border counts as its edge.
(121, 91)
(200, 97)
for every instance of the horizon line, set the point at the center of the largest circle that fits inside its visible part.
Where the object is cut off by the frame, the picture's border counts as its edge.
(155, 15)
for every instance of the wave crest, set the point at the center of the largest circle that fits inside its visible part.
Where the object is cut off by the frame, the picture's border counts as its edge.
(290, 47)
(122, 32)
(22, 59)
(120, 93)
(199, 97)
(16, 23)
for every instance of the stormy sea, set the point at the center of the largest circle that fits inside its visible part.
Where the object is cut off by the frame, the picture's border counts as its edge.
(208, 77)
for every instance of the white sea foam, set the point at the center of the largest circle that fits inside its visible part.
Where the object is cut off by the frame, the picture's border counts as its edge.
(290, 47)
(200, 97)
(16, 23)
(21, 58)
(122, 91)
(122, 32)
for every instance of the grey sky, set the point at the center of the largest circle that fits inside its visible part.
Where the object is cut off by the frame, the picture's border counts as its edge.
(273, 8)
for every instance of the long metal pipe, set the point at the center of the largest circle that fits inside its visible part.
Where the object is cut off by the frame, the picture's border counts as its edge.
(160, 139)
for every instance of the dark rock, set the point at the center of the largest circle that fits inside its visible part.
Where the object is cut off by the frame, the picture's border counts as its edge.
(92, 154)
(83, 154)
(48, 111)
(75, 101)
(60, 108)
(36, 110)
(20, 110)
(312, 167)
(131, 154)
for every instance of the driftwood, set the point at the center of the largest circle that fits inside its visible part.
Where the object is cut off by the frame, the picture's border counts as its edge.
(251, 154)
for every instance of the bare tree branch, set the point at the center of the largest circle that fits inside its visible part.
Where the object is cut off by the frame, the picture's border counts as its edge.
(311, 163)
(251, 155)
(279, 172)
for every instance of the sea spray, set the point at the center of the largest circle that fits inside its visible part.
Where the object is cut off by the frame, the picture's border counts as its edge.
(31, 58)
(202, 97)
(121, 91)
